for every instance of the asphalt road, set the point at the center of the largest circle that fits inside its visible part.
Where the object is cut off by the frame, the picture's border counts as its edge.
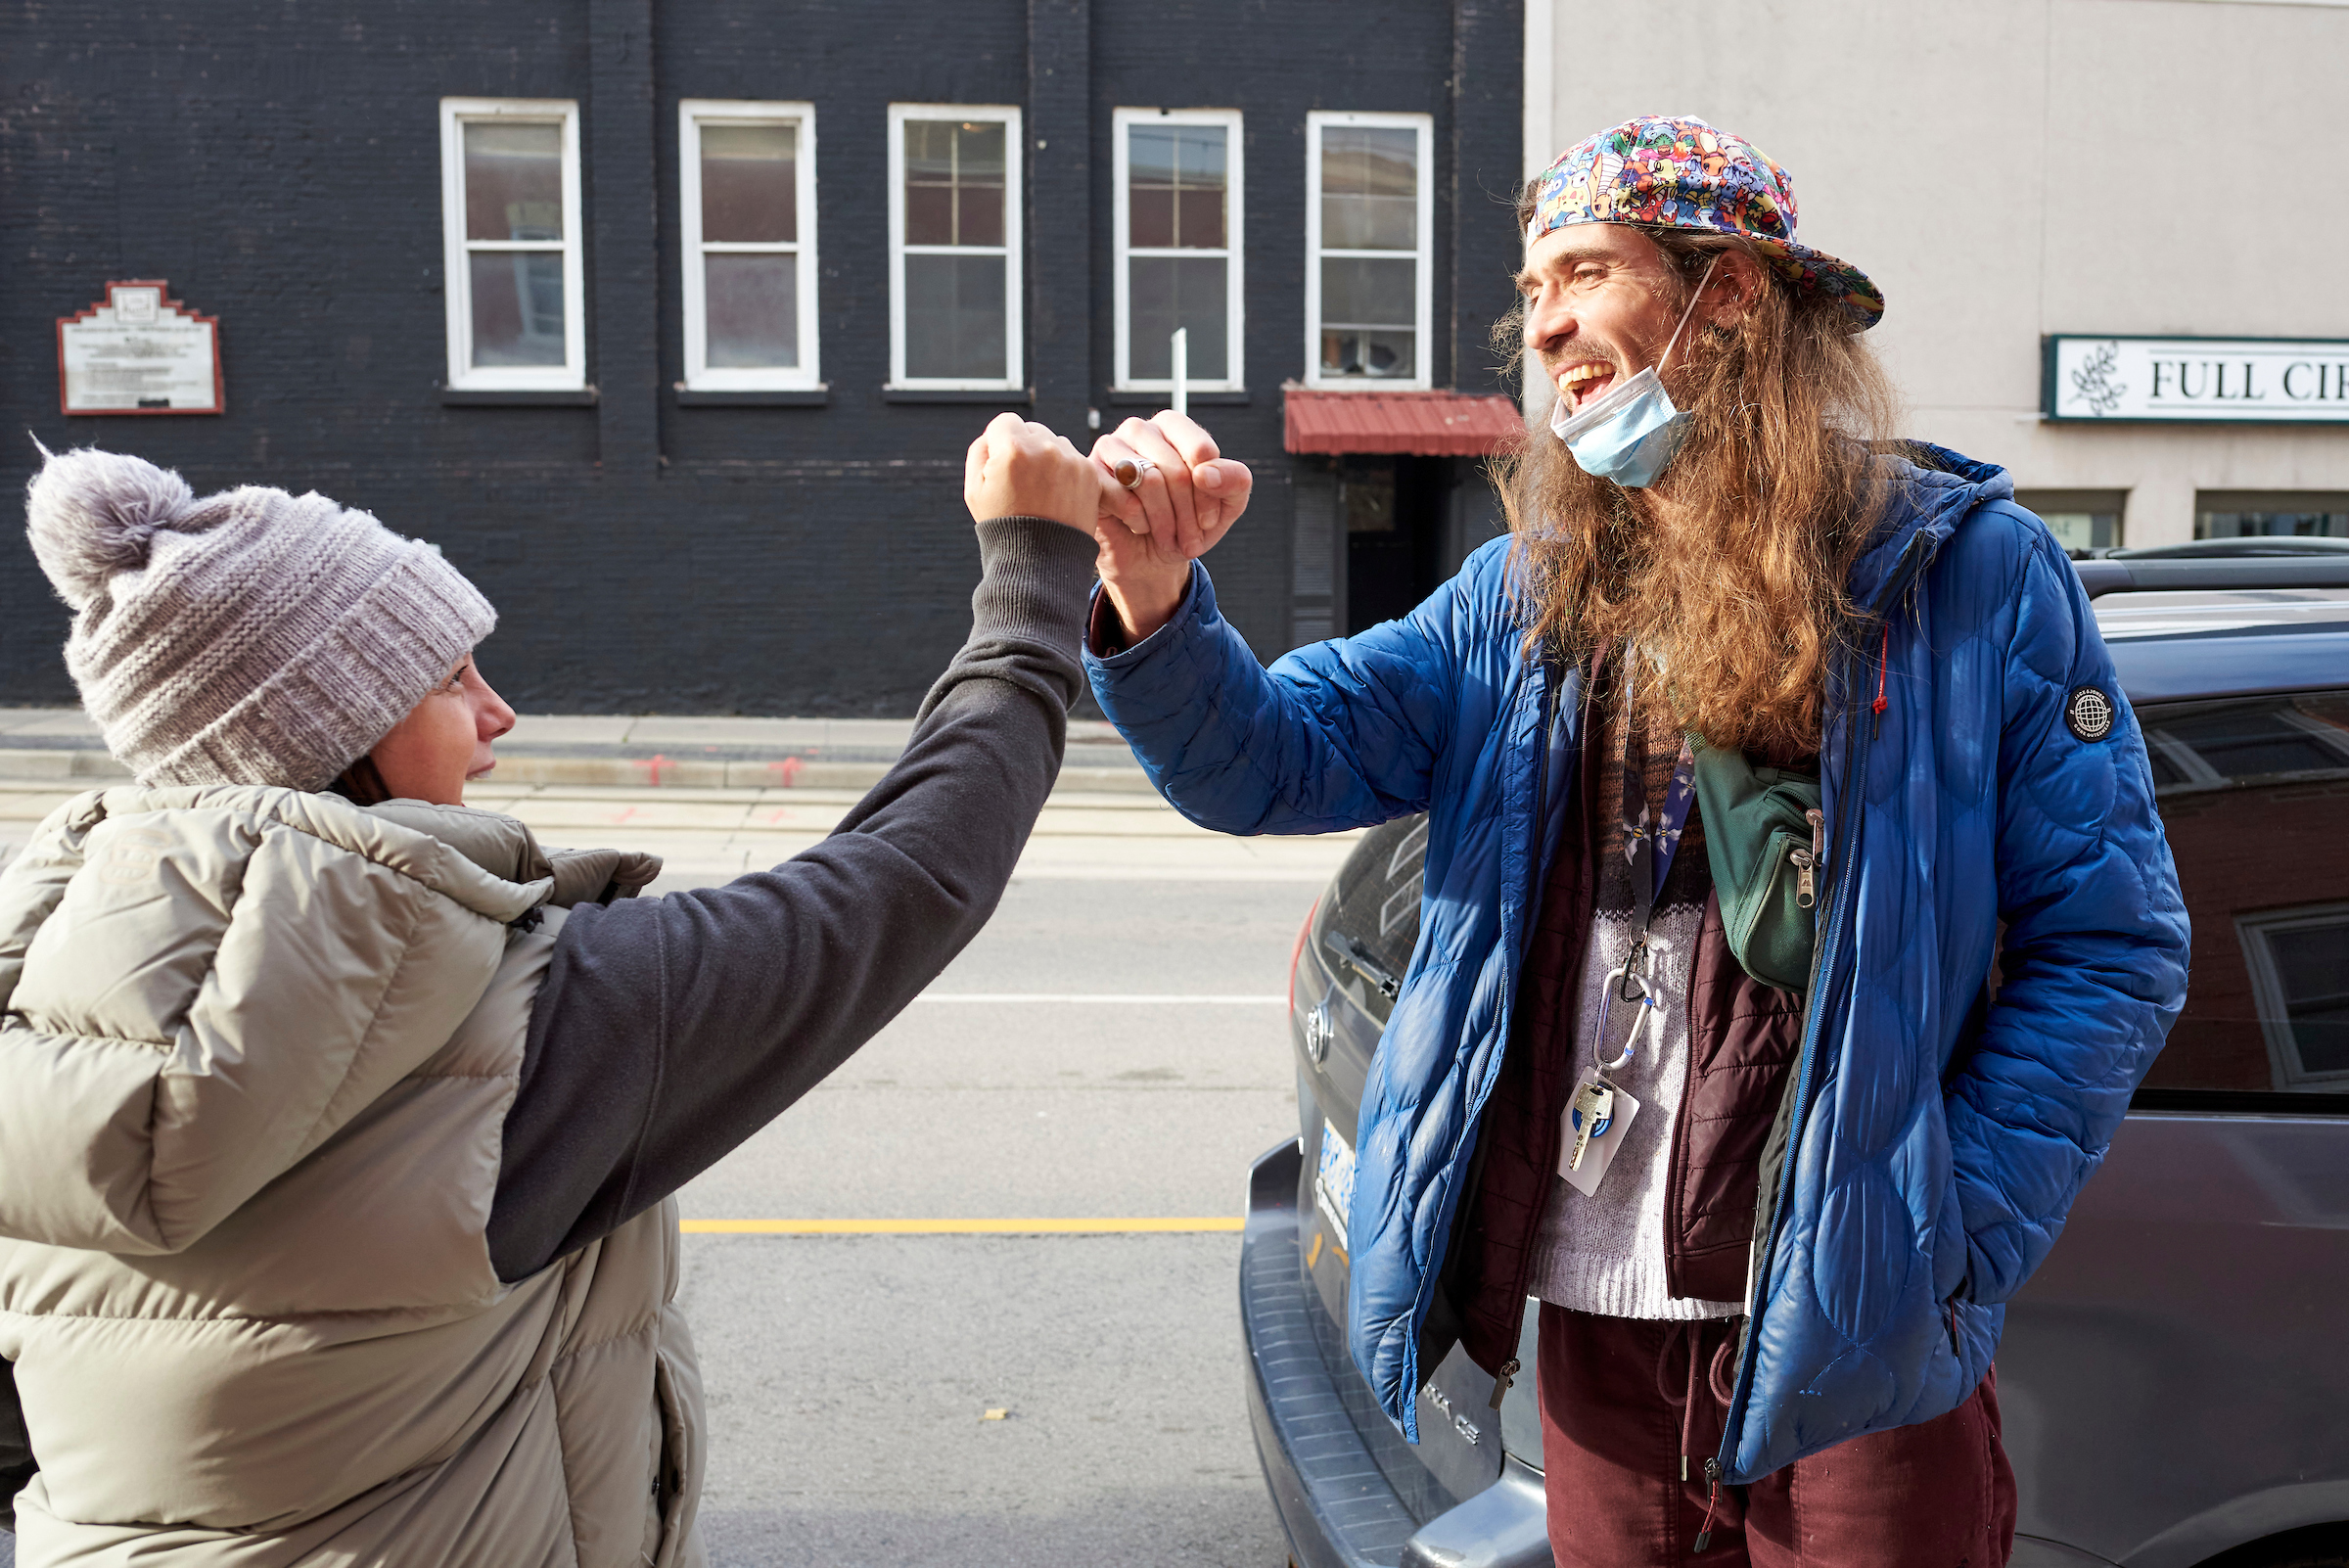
(849, 1376)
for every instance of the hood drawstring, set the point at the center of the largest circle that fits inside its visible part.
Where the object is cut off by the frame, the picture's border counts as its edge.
(1883, 665)
(1684, 1334)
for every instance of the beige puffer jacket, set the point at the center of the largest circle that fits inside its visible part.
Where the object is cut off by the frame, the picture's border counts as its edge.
(257, 1049)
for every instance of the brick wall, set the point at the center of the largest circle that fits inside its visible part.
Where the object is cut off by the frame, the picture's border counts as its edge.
(280, 165)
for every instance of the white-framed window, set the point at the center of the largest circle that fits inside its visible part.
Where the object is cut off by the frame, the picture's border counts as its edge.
(510, 218)
(746, 220)
(1179, 245)
(953, 247)
(1369, 210)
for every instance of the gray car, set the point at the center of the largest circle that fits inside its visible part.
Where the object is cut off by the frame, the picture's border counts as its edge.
(2173, 1380)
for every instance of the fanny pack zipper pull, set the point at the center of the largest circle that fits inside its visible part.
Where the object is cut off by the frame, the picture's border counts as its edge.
(1806, 862)
(1704, 1535)
(1500, 1384)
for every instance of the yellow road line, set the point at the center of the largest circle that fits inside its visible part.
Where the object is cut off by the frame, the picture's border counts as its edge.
(957, 1227)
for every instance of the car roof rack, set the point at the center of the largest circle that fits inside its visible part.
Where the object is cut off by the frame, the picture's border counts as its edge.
(2104, 575)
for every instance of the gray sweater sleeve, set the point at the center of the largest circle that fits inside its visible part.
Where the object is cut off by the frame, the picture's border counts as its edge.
(669, 1029)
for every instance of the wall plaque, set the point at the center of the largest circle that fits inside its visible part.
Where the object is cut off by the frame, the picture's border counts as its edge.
(2227, 381)
(139, 351)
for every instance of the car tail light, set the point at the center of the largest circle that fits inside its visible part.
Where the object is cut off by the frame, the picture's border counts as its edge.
(1297, 949)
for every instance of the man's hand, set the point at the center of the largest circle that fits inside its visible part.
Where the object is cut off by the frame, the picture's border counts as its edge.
(1018, 468)
(1150, 535)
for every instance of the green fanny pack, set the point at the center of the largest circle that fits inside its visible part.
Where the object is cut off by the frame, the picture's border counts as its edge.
(1764, 833)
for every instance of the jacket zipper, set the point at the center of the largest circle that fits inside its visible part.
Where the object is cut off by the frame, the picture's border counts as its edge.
(1550, 716)
(1845, 888)
(1552, 712)
(1508, 1368)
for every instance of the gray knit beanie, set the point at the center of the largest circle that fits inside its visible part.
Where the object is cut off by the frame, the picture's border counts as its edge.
(252, 637)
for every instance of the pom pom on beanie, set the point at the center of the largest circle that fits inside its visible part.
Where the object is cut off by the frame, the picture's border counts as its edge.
(92, 514)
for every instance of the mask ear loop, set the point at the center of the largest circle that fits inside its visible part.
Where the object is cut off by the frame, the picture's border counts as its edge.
(1674, 341)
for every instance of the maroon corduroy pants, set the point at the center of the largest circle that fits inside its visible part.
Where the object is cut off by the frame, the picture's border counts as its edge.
(1624, 1399)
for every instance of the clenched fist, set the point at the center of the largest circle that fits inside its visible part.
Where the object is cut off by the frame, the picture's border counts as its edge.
(1018, 468)
(1189, 497)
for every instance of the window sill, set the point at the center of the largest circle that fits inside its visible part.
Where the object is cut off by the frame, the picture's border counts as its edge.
(514, 398)
(1121, 398)
(777, 398)
(998, 397)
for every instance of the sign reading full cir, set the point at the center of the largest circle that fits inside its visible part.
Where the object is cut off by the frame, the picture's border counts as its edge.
(2237, 380)
(139, 351)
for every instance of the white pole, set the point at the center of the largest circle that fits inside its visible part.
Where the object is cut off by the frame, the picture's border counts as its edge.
(1181, 350)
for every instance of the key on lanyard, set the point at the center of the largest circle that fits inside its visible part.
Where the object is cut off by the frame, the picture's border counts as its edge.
(1593, 1109)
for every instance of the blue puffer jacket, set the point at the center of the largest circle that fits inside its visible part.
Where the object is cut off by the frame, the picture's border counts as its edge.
(1937, 1140)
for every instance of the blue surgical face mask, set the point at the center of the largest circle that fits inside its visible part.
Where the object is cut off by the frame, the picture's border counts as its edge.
(1632, 433)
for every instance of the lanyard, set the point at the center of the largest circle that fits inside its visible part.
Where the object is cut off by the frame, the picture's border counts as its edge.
(1654, 839)
(1651, 851)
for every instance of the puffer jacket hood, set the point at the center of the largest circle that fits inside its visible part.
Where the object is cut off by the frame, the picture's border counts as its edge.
(1934, 1139)
(119, 1141)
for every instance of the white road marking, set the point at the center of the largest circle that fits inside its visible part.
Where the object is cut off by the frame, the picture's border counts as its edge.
(1107, 998)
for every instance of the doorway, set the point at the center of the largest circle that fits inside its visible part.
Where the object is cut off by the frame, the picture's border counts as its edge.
(1392, 510)
(1408, 524)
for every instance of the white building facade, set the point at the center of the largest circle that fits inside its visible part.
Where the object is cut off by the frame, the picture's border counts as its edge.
(2109, 233)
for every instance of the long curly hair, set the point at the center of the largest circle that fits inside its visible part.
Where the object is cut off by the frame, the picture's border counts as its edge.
(1741, 600)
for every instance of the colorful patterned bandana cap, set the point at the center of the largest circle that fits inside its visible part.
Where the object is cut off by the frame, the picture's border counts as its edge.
(1676, 171)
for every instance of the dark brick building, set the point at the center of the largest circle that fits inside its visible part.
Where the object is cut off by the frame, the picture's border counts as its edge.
(669, 319)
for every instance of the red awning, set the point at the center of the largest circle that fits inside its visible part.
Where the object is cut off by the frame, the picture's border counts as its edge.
(1429, 424)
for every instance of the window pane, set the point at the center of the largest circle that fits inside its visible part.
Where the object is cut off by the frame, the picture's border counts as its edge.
(517, 308)
(2312, 966)
(513, 181)
(1170, 291)
(954, 316)
(1175, 186)
(1369, 188)
(2251, 849)
(752, 304)
(2249, 524)
(953, 182)
(2082, 531)
(1367, 317)
(750, 184)
(1356, 353)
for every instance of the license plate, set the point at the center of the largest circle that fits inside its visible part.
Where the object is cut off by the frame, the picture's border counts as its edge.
(1333, 1182)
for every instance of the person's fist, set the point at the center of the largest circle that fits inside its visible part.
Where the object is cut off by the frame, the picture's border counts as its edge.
(1018, 468)
(1185, 498)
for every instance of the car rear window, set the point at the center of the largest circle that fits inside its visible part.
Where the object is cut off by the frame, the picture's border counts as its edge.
(2254, 794)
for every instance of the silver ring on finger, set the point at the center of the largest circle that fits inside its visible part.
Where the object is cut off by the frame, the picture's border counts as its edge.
(1130, 470)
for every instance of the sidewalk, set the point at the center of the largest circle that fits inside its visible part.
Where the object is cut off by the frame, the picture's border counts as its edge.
(718, 797)
(60, 745)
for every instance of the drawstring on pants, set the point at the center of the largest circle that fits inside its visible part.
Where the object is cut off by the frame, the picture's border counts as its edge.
(1717, 1373)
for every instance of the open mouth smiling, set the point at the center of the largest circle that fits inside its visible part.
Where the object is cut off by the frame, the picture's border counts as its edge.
(1584, 383)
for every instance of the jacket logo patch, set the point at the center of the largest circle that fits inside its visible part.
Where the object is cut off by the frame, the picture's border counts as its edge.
(2090, 714)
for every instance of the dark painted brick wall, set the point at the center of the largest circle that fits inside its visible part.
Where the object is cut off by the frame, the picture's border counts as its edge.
(279, 162)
